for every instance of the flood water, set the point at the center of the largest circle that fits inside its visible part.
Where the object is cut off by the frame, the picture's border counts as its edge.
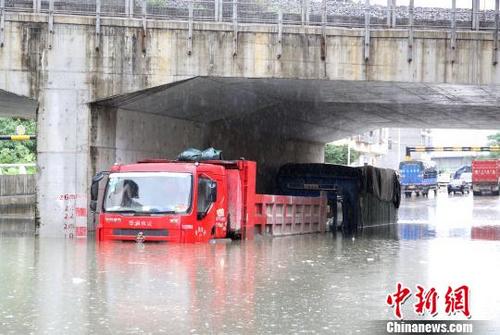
(313, 283)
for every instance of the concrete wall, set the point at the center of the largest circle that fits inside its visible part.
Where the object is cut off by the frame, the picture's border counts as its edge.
(121, 136)
(64, 71)
(270, 150)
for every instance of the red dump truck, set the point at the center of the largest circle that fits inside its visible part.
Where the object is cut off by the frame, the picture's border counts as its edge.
(178, 201)
(486, 176)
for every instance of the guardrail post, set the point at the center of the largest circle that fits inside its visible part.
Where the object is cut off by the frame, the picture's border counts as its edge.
(389, 16)
(37, 6)
(97, 24)
(495, 33)
(216, 10)
(235, 28)
(393, 14)
(129, 8)
(410, 31)
(367, 31)
(2, 22)
(323, 30)
(475, 14)
(305, 12)
(51, 22)
(280, 32)
(190, 28)
(453, 29)
(389, 13)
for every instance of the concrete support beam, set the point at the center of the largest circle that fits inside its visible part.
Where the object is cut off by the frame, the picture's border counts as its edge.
(190, 28)
(279, 50)
(495, 32)
(51, 23)
(235, 27)
(411, 8)
(97, 24)
(453, 39)
(2, 22)
(323, 30)
(367, 31)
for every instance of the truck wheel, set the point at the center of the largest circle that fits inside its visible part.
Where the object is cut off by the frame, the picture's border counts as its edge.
(417, 194)
(476, 192)
(496, 193)
(435, 192)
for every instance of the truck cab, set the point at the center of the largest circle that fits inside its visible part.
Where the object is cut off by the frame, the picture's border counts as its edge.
(486, 177)
(170, 201)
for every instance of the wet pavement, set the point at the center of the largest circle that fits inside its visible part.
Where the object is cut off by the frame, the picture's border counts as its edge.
(314, 283)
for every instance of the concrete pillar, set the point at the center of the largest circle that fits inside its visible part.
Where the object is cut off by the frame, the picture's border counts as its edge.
(63, 139)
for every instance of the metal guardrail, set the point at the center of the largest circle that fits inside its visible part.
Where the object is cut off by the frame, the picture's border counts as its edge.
(342, 13)
(409, 150)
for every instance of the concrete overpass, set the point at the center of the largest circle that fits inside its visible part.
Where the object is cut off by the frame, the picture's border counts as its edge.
(273, 93)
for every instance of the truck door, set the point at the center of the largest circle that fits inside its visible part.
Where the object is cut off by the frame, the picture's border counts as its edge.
(209, 207)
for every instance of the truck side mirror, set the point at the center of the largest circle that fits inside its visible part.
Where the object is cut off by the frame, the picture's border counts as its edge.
(94, 189)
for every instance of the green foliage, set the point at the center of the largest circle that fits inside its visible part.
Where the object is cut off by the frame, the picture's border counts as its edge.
(337, 154)
(157, 3)
(494, 140)
(12, 152)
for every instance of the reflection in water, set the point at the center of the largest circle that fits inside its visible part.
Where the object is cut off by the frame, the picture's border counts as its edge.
(326, 283)
(485, 233)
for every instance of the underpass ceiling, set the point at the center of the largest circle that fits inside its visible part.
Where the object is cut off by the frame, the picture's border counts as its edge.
(317, 110)
(13, 105)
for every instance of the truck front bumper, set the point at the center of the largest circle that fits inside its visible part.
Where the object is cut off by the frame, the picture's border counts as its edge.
(138, 234)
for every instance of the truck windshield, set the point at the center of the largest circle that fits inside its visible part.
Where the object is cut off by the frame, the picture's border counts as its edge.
(148, 192)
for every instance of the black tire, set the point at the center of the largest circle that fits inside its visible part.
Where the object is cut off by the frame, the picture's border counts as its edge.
(435, 192)
(417, 194)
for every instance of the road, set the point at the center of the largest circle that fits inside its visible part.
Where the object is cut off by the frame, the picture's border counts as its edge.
(316, 283)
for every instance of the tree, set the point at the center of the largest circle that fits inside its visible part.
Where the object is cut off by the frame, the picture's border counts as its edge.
(337, 154)
(17, 152)
(494, 140)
